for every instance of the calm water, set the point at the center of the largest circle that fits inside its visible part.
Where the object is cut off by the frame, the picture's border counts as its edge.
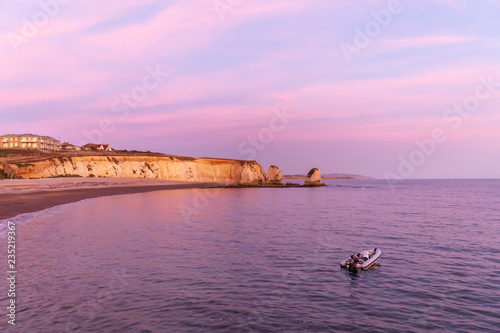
(264, 260)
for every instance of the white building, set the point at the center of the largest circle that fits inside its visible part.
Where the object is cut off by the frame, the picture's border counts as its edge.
(29, 141)
(94, 146)
(69, 146)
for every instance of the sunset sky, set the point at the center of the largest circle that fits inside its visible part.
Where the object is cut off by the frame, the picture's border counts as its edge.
(407, 89)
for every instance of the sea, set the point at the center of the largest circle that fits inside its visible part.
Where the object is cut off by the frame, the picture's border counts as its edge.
(262, 260)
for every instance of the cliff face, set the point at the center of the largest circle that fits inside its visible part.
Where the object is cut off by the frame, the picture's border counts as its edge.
(252, 174)
(314, 178)
(156, 167)
(274, 176)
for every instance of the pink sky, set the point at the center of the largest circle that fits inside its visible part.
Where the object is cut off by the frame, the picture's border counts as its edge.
(227, 73)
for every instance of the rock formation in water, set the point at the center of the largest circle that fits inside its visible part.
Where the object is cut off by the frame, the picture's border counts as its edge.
(138, 166)
(274, 176)
(153, 166)
(252, 174)
(314, 178)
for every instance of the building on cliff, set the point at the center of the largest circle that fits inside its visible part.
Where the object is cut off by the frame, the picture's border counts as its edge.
(29, 141)
(69, 146)
(94, 146)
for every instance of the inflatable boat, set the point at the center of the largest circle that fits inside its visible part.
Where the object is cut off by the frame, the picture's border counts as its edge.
(363, 260)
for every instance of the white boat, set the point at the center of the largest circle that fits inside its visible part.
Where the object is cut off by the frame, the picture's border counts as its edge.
(363, 260)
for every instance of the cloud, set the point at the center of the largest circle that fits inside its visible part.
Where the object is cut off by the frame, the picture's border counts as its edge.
(457, 4)
(419, 42)
(227, 76)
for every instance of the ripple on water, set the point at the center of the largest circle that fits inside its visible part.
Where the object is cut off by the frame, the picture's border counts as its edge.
(266, 260)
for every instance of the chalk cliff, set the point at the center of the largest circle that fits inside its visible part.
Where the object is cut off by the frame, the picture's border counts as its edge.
(252, 174)
(314, 178)
(274, 176)
(156, 167)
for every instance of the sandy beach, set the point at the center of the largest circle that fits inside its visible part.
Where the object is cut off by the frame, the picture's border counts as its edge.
(20, 196)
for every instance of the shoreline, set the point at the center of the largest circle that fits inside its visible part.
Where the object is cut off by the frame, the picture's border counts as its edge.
(22, 197)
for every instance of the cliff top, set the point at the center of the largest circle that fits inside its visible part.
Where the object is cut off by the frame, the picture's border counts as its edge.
(26, 156)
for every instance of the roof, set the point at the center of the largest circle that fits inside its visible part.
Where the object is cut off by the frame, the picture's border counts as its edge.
(29, 134)
(95, 145)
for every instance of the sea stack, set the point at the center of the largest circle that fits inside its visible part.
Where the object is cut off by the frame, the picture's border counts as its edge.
(314, 178)
(274, 176)
(252, 175)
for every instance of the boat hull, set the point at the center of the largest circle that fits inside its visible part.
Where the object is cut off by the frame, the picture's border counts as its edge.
(368, 258)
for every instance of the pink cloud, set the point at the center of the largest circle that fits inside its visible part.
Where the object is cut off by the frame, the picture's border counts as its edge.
(427, 41)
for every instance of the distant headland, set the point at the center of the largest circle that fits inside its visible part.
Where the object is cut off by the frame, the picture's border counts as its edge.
(330, 176)
(35, 164)
(32, 156)
(40, 172)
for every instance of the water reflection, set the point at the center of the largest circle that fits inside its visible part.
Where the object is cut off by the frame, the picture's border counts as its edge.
(264, 260)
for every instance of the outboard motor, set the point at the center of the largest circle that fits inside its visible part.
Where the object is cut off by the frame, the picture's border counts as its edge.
(354, 261)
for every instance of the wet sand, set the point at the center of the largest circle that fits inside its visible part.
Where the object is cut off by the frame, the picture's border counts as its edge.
(27, 196)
